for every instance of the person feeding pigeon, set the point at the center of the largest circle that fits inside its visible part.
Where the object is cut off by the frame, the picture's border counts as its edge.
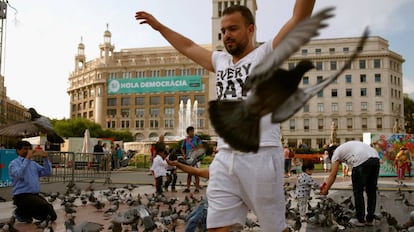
(235, 176)
(25, 174)
(365, 170)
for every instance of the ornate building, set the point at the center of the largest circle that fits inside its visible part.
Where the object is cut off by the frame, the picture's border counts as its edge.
(142, 90)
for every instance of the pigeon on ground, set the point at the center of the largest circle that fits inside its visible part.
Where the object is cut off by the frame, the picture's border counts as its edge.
(37, 124)
(271, 89)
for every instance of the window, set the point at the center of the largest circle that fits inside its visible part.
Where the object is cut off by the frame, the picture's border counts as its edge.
(306, 108)
(363, 78)
(139, 124)
(291, 66)
(126, 75)
(139, 112)
(154, 123)
(305, 80)
(334, 93)
(304, 51)
(377, 91)
(200, 71)
(348, 106)
(169, 100)
(154, 100)
(379, 123)
(125, 113)
(154, 112)
(348, 78)
(319, 66)
(141, 74)
(125, 101)
(349, 123)
(363, 92)
(320, 107)
(364, 106)
(111, 113)
(155, 73)
(292, 124)
(201, 111)
(334, 107)
(200, 99)
(377, 63)
(378, 106)
(320, 93)
(169, 123)
(169, 112)
(201, 123)
(112, 75)
(184, 99)
(140, 101)
(184, 72)
(124, 123)
(318, 51)
(348, 92)
(320, 124)
(377, 77)
(111, 102)
(306, 124)
(170, 72)
(364, 123)
(319, 79)
(331, 50)
(362, 64)
(333, 65)
(345, 50)
(110, 124)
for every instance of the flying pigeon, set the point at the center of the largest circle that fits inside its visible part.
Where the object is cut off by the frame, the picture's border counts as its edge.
(272, 89)
(37, 124)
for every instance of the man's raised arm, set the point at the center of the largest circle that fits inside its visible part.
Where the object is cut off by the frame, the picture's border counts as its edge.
(302, 10)
(183, 44)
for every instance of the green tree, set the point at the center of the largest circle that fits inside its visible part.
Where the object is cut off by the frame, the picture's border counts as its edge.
(76, 128)
(409, 115)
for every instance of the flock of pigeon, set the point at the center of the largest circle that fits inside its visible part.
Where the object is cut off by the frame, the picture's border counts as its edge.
(328, 214)
(126, 210)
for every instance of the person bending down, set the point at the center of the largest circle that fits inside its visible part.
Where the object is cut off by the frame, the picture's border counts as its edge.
(25, 174)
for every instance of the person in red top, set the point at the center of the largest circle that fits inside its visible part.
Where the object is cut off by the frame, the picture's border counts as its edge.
(288, 160)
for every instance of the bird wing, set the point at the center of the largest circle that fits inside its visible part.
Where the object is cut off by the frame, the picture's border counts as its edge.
(291, 43)
(20, 129)
(301, 96)
(45, 126)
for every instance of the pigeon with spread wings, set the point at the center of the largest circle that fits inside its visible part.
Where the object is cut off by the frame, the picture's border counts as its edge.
(37, 124)
(272, 89)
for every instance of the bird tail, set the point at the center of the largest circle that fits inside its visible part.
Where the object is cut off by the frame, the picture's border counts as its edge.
(54, 138)
(238, 128)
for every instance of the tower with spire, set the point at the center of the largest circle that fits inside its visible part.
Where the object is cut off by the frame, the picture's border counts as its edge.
(80, 58)
(106, 49)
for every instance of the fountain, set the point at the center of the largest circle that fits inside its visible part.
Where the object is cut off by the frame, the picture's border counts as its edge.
(180, 133)
(186, 118)
(195, 109)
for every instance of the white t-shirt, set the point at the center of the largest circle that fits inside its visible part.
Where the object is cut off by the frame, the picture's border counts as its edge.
(354, 153)
(159, 166)
(230, 81)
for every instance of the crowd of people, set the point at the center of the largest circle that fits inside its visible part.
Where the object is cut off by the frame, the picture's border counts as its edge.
(107, 158)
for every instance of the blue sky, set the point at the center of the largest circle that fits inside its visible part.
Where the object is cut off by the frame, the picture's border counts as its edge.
(42, 38)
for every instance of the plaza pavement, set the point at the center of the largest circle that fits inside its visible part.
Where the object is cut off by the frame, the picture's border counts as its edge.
(141, 178)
